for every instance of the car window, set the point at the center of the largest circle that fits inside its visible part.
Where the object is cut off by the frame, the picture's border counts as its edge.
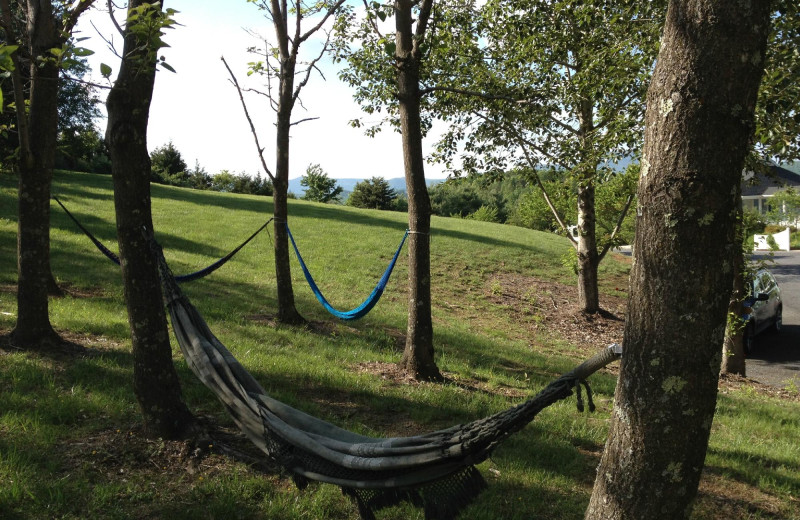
(766, 281)
(756, 286)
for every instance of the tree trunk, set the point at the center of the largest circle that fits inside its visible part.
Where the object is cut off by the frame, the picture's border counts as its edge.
(287, 312)
(37, 156)
(417, 360)
(733, 355)
(698, 126)
(588, 257)
(155, 381)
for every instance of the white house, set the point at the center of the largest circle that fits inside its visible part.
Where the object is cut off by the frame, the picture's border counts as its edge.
(758, 189)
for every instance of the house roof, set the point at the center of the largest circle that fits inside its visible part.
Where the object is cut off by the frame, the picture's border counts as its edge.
(767, 184)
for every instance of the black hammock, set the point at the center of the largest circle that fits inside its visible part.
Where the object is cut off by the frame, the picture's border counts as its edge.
(180, 278)
(435, 471)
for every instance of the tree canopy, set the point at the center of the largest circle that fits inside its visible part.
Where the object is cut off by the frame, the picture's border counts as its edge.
(373, 193)
(320, 187)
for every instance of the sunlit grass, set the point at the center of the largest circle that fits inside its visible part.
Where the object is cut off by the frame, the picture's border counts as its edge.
(53, 410)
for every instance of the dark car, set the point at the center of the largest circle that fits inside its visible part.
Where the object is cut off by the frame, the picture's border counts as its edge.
(765, 305)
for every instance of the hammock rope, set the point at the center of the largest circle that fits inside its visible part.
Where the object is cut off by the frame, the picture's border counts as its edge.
(180, 278)
(366, 305)
(435, 471)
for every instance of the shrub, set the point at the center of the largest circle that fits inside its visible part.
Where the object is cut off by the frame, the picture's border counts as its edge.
(374, 193)
(485, 214)
(167, 166)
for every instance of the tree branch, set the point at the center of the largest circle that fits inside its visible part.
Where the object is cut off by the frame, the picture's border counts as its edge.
(426, 6)
(72, 16)
(273, 104)
(249, 120)
(311, 66)
(84, 82)
(114, 21)
(617, 227)
(371, 20)
(314, 29)
(303, 120)
(429, 90)
(521, 141)
(19, 93)
(280, 21)
(608, 119)
(562, 124)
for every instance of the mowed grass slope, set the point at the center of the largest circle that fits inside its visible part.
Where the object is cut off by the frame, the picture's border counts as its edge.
(69, 442)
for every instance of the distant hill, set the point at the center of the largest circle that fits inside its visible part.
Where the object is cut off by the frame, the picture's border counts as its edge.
(398, 184)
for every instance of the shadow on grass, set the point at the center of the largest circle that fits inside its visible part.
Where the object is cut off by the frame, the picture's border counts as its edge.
(780, 472)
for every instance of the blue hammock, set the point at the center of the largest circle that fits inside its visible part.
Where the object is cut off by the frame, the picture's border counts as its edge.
(181, 278)
(368, 304)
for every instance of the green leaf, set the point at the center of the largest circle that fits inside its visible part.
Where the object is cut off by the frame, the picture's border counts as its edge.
(390, 48)
(105, 70)
(167, 66)
(382, 16)
(82, 52)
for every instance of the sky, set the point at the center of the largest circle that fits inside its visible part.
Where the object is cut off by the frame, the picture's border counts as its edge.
(199, 110)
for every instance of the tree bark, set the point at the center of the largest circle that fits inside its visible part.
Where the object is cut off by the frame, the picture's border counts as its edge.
(588, 256)
(733, 355)
(155, 381)
(37, 156)
(287, 312)
(417, 360)
(698, 126)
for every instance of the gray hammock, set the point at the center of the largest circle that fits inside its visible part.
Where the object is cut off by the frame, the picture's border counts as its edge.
(435, 471)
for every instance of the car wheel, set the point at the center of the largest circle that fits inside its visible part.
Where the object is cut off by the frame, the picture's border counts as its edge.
(749, 338)
(778, 324)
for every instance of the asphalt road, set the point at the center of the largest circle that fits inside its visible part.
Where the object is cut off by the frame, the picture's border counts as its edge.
(775, 360)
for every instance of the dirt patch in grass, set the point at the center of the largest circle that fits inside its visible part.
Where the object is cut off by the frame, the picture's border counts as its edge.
(393, 375)
(731, 382)
(722, 498)
(540, 306)
(76, 292)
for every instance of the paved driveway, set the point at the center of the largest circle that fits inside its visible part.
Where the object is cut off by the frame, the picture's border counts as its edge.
(776, 357)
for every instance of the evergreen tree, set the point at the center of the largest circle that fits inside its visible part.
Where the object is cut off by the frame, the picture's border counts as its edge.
(374, 193)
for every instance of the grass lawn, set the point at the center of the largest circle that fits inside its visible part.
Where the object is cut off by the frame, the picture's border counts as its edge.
(70, 442)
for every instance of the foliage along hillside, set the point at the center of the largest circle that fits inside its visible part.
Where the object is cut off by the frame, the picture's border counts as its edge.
(69, 442)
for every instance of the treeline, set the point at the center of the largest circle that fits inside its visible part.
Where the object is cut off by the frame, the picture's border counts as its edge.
(168, 167)
(516, 198)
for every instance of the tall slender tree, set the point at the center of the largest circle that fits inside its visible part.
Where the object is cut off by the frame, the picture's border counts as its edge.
(281, 62)
(564, 85)
(155, 381)
(41, 30)
(699, 124)
(386, 71)
(410, 32)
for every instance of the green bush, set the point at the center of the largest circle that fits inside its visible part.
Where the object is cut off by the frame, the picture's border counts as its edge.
(485, 214)
(374, 193)
(167, 166)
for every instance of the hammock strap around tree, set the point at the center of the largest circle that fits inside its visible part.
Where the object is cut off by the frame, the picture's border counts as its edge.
(435, 471)
(366, 305)
(180, 278)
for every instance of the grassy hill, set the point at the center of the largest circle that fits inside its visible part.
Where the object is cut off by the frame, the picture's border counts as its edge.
(70, 446)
